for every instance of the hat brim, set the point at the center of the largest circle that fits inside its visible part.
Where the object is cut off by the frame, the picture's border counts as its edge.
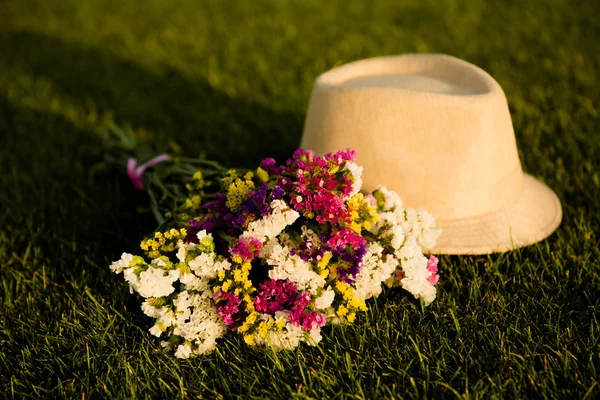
(536, 214)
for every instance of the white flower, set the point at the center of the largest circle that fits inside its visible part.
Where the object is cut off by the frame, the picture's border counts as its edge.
(392, 200)
(374, 271)
(389, 226)
(202, 234)
(183, 351)
(309, 234)
(150, 310)
(203, 265)
(268, 248)
(356, 171)
(183, 249)
(414, 267)
(192, 282)
(286, 266)
(198, 321)
(422, 225)
(156, 331)
(182, 306)
(314, 337)
(273, 224)
(156, 282)
(325, 299)
(132, 278)
(118, 266)
(164, 319)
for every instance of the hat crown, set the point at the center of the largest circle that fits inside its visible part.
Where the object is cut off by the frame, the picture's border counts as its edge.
(434, 128)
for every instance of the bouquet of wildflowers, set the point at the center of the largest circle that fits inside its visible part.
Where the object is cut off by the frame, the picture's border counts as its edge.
(278, 253)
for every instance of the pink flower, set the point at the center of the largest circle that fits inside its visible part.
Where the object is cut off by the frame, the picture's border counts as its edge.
(432, 267)
(371, 199)
(135, 172)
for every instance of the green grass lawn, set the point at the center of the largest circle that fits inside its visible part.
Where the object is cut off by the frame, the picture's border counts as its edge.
(231, 80)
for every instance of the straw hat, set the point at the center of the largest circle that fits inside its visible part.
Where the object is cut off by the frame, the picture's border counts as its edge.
(437, 130)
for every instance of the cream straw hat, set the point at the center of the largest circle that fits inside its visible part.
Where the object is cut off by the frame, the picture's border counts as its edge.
(437, 130)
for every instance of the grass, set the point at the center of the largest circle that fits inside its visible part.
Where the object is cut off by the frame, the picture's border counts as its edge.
(232, 80)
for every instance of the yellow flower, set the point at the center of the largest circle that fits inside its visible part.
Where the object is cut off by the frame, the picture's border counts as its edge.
(238, 191)
(228, 180)
(280, 324)
(227, 284)
(342, 287)
(262, 329)
(250, 319)
(237, 276)
(355, 303)
(236, 259)
(356, 227)
(349, 293)
(265, 327)
(262, 175)
(341, 311)
(324, 260)
(351, 317)
(249, 339)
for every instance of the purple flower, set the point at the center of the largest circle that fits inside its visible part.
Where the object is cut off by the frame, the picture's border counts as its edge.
(278, 193)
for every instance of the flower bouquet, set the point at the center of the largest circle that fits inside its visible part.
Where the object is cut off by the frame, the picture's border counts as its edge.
(276, 254)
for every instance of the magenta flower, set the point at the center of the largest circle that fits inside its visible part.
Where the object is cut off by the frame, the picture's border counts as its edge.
(321, 185)
(275, 295)
(247, 248)
(228, 305)
(346, 237)
(300, 316)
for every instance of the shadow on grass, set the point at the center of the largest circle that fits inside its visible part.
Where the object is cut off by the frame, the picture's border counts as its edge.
(47, 197)
(231, 130)
(54, 212)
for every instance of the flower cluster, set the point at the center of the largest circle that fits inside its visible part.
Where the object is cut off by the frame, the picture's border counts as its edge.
(281, 252)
